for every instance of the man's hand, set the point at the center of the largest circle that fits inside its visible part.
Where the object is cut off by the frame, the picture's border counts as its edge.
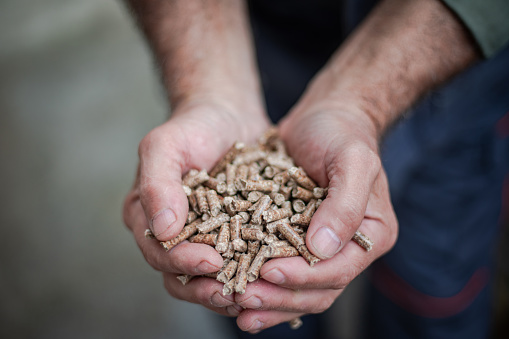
(205, 55)
(195, 137)
(334, 149)
(401, 51)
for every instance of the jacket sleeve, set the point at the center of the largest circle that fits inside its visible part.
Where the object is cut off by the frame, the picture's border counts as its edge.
(487, 20)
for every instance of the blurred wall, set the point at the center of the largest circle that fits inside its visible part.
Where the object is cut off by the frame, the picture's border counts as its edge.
(77, 93)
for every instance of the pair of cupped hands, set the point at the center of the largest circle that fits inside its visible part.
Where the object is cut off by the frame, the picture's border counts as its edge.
(336, 145)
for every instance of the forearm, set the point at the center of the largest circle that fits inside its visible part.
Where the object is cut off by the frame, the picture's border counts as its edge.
(204, 50)
(401, 51)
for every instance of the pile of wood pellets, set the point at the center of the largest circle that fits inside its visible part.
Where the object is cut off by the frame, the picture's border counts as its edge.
(254, 205)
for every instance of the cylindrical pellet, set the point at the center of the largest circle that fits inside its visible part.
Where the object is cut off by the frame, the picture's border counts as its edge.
(245, 217)
(302, 193)
(213, 202)
(228, 158)
(193, 203)
(254, 270)
(239, 245)
(264, 203)
(272, 227)
(281, 178)
(289, 234)
(278, 214)
(213, 223)
(295, 323)
(254, 196)
(229, 287)
(311, 259)
(261, 185)
(319, 193)
(310, 208)
(298, 205)
(301, 178)
(280, 162)
(187, 190)
(269, 172)
(282, 251)
(254, 171)
(186, 232)
(230, 252)
(300, 219)
(253, 247)
(277, 198)
(251, 234)
(191, 216)
(227, 273)
(149, 234)
(201, 198)
(185, 278)
(362, 240)
(235, 223)
(241, 280)
(241, 205)
(223, 238)
(231, 171)
(194, 178)
(216, 185)
(249, 157)
(208, 239)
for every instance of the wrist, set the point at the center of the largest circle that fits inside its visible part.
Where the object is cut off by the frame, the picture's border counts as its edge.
(338, 109)
(236, 120)
(245, 101)
(352, 97)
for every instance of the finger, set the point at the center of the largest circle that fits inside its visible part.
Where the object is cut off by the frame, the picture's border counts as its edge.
(203, 291)
(254, 321)
(262, 295)
(336, 272)
(352, 171)
(184, 258)
(162, 163)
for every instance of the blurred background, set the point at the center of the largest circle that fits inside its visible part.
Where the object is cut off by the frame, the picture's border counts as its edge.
(78, 91)
(77, 94)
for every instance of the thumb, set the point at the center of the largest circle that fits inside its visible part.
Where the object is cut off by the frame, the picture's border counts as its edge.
(160, 184)
(352, 173)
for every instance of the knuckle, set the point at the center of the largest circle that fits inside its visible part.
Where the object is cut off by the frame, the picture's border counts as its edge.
(168, 286)
(339, 283)
(152, 259)
(363, 155)
(342, 280)
(152, 139)
(203, 296)
(127, 207)
(321, 305)
(299, 279)
(351, 215)
(149, 191)
(390, 235)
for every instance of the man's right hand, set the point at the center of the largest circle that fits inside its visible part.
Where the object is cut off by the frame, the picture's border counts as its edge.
(196, 136)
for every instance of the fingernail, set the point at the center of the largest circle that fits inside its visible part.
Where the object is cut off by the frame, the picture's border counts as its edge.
(206, 267)
(162, 221)
(326, 242)
(274, 276)
(218, 300)
(252, 302)
(256, 325)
